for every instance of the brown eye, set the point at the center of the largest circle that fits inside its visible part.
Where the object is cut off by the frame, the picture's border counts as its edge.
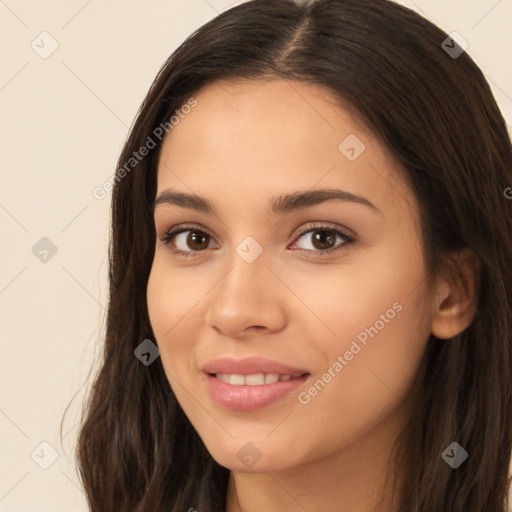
(186, 241)
(323, 239)
(196, 240)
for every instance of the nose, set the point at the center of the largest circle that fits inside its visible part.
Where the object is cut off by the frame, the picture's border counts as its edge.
(248, 299)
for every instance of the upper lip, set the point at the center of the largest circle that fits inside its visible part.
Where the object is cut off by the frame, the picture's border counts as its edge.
(250, 366)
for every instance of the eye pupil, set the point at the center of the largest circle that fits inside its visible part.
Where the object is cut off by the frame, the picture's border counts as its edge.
(319, 236)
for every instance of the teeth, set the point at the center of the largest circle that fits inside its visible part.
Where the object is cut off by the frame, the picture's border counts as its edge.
(270, 378)
(237, 380)
(255, 379)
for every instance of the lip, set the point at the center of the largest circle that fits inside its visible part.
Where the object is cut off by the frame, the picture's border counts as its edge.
(250, 365)
(251, 398)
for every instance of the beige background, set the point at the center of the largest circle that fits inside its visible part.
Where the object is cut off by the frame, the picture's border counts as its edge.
(64, 119)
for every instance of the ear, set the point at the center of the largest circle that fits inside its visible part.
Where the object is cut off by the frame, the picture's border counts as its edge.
(456, 299)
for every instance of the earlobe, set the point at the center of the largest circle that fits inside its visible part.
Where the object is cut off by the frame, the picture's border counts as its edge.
(456, 300)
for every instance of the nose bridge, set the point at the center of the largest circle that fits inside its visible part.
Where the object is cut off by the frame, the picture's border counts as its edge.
(249, 273)
(250, 250)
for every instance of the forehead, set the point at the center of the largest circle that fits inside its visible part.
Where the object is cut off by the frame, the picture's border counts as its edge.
(277, 115)
(256, 138)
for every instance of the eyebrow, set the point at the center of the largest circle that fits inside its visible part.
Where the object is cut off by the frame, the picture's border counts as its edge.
(278, 204)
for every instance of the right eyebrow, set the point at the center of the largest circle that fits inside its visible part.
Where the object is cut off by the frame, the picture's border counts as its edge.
(192, 202)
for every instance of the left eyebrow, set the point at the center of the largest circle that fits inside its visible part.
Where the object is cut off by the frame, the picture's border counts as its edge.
(278, 204)
(299, 200)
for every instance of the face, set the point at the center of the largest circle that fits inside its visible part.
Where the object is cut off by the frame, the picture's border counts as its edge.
(324, 291)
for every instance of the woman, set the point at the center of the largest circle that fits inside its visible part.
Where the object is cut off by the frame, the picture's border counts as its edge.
(316, 236)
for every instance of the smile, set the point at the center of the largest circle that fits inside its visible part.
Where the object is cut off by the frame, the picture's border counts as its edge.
(252, 392)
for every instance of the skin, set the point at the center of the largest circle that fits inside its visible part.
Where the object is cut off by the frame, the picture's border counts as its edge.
(244, 143)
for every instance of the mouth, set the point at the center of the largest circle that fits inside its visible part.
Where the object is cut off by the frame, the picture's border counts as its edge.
(254, 391)
(251, 383)
(256, 379)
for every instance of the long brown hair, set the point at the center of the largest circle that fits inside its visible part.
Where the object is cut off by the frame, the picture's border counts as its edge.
(137, 451)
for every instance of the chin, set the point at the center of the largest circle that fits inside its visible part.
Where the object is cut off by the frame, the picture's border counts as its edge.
(248, 458)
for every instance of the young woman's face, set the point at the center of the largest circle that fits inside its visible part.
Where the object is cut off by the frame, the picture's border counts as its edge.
(251, 293)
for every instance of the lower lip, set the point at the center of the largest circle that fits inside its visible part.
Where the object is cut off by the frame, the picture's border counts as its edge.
(250, 398)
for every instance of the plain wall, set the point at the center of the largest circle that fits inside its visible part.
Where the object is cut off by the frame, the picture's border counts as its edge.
(64, 119)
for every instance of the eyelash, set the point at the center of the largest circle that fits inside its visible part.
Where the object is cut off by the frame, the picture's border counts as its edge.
(171, 234)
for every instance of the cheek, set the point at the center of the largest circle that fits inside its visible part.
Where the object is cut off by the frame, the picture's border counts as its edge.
(170, 305)
(371, 365)
(384, 357)
(160, 301)
(172, 294)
